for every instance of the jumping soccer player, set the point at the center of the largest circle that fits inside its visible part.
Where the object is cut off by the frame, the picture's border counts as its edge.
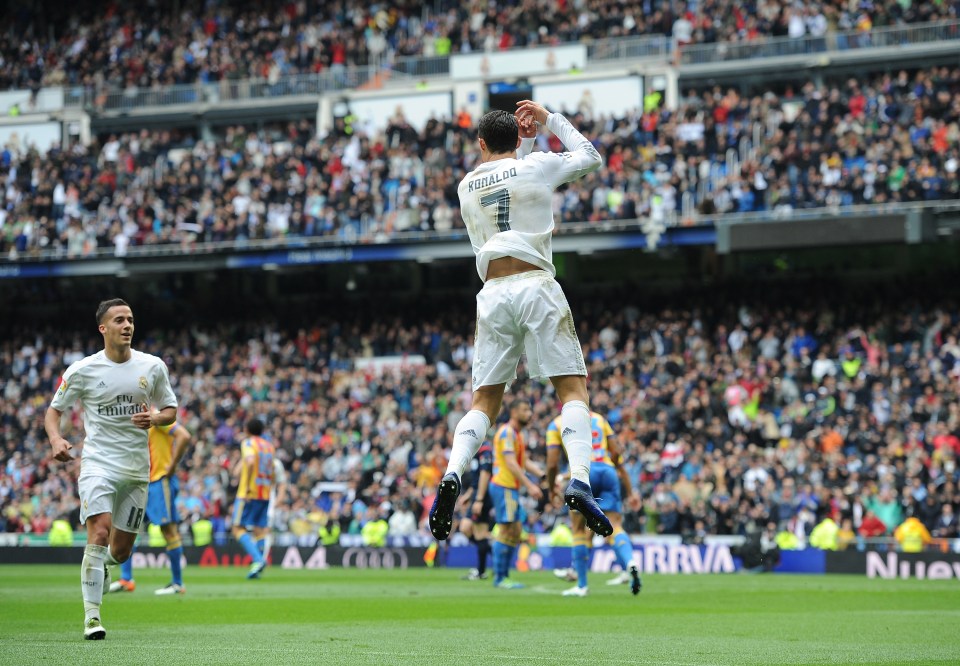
(506, 206)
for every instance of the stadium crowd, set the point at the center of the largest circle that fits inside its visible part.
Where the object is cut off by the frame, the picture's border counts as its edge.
(152, 45)
(888, 138)
(735, 413)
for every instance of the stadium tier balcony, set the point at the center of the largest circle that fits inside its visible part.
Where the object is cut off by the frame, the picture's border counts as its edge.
(871, 145)
(731, 417)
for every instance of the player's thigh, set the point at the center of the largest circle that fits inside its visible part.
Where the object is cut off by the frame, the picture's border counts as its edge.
(606, 487)
(236, 515)
(160, 502)
(97, 496)
(498, 342)
(129, 506)
(549, 335)
(255, 514)
(506, 503)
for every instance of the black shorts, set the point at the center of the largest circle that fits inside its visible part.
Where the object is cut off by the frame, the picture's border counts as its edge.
(487, 514)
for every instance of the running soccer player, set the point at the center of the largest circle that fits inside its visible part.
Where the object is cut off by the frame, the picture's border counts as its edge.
(167, 446)
(477, 521)
(257, 477)
(510, 465)
(506, 206)
(606, 476)
(123, 393)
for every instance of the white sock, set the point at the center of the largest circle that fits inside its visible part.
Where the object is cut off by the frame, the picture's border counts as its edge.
(467, 439)
(91, 579)
(576, 435)
(110, 559)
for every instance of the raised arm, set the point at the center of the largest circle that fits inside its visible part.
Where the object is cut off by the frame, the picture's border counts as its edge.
(581, 158)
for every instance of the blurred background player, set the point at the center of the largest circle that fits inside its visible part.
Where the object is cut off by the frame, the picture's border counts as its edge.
(510, 465)
(116, 387)
(167, 446)
(606, 476)
(278, 495)
(506, 204)
(256, 472)
(478, 508)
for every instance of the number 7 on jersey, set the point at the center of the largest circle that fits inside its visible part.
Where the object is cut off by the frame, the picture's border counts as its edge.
(501, 199)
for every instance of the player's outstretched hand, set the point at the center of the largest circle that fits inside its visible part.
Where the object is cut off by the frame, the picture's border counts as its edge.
(61, 449)
(527, 107)
(142, 418)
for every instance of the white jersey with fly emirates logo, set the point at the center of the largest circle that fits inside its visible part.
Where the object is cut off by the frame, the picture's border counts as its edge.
(506, 204)
(111, 393)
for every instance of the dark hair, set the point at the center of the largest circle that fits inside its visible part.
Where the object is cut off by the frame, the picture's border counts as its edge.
(255, 427)
(499, 130)
(516, 403)
(106, 305)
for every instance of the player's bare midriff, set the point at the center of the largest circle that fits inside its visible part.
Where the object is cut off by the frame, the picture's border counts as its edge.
(504, 266)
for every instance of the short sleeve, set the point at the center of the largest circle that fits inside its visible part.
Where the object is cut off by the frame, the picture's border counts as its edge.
(163, 395)
(69, 391)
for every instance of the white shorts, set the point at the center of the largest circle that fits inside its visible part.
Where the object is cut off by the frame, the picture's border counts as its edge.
(125, 500)
(524, 313)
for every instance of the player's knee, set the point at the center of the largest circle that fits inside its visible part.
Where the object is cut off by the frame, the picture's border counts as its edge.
(99, 536)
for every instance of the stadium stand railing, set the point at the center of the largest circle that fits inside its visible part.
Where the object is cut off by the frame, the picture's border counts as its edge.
(877, 38)
(370, 232)
(625, 51)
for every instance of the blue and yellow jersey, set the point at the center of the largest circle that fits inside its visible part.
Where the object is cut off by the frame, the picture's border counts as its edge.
(256, 471)
(507, 440)
(160, 440)
(553, 434)
(600, 430)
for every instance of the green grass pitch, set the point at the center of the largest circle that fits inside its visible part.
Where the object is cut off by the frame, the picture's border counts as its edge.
(426, 616)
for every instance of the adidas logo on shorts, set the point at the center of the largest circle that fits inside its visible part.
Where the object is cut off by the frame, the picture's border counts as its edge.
(567, 431)
(468, 432)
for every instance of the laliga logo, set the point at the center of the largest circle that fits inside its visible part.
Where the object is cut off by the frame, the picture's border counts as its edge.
(375, 558)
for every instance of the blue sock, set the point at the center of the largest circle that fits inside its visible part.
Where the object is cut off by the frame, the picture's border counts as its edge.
(581, 562)
(250, 546)
(508, 560)
(499, 555)
(176, 571)
(261, 545)
(623, 550)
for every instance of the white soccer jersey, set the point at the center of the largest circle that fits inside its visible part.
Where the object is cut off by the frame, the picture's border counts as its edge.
(279, 477)
(111, 394)
(506, 204)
